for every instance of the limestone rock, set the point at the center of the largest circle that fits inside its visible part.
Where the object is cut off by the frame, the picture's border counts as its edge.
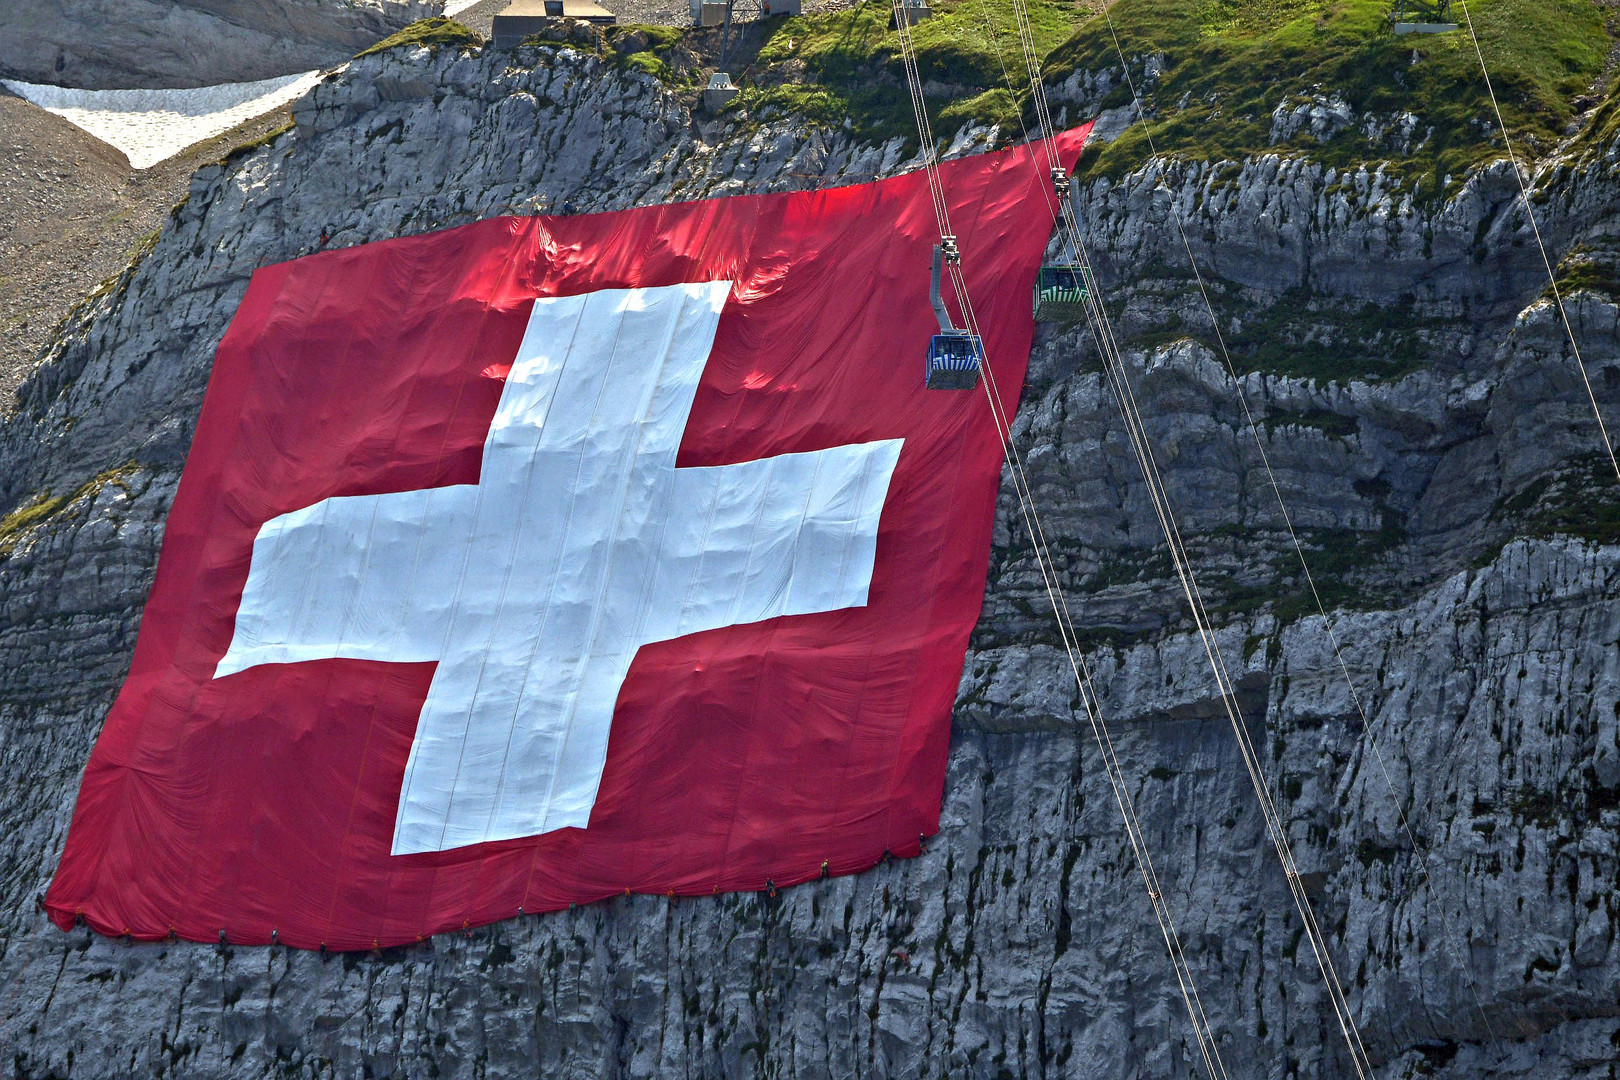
(1455, 818)
(107, 44)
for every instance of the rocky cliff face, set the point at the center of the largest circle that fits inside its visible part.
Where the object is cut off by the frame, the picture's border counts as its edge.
(1436, 450)
(104, 44)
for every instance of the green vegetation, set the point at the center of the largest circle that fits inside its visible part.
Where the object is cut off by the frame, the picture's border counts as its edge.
(845, 65)
(1325, 339)
(43, 505)
(632, 38)
(629, 39)
(1604, 123)
(651, 50)
(143, 245)
(664, 52)
(1228, 64)
(429, 32)
(1343, 565)
(649, 63)
(1309, 337)
(1580, 501)
(29, 514)
(116, 283)
(582, 35)
(1222, 68)
(1581, 270)
(1333, 425)
(242, 150)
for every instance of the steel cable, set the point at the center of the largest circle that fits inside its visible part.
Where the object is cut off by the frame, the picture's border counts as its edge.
(1131, 415)
(1079, 669)
(1529, 211)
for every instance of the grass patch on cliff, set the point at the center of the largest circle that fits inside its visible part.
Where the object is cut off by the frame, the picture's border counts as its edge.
(845, 65)
(429, 33)
(632, 38)
(1603, 126)
(1326, 339)
(1307, 336)
(1229, 64)
(42, 505)
(37, 509)
(242, 150)
(1580, 270)
(1342, 563)
(1581, 500)
(1333, 425)
(648, 63)
(114, 283)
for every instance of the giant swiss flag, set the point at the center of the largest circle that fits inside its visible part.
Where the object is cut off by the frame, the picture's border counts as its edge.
(545, 559)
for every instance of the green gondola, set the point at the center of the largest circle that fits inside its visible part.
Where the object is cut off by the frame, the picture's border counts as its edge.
(1421, 17)
(1061, 294)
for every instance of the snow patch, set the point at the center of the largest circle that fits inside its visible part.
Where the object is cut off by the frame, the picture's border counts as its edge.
(456, 7)
(150, 126)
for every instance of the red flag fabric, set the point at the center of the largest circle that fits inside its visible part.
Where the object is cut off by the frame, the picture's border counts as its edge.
(545, 559)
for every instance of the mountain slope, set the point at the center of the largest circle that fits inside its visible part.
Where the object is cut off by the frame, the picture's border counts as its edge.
(102, 44)
(1437, 453)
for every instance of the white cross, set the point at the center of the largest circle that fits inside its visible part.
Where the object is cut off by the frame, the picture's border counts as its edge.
(580, 543)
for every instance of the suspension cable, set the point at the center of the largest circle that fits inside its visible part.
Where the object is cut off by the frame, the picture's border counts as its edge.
(1078, 665)
(1418, 848)
(1092, 702)
(1529, 211)
(1131, 415)
(1105, 743)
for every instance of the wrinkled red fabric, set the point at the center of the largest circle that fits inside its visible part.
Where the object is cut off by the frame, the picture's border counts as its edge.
(265, 803)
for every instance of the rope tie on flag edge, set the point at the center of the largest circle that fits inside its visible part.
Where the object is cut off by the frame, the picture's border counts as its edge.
(1078, 666)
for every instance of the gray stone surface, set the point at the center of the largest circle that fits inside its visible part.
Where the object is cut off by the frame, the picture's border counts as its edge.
(1445, 426)
(106, 44)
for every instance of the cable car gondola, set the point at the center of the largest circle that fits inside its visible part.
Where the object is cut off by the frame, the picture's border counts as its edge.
(954, 356)
(953, 361)
(1422, 17)
(1061, 294)
(1061, 289)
